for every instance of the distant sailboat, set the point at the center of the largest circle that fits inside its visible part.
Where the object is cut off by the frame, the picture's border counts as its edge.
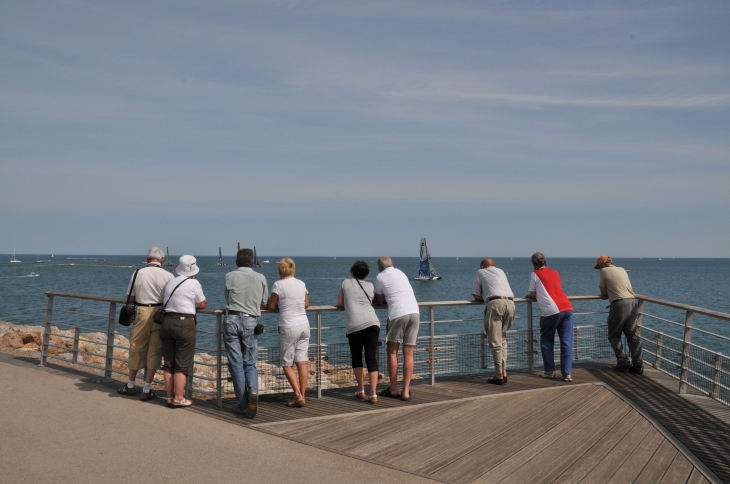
(38, 259)
(13, 259)
(426, 272)
(220, 262)
(169, 261)
(255, 258)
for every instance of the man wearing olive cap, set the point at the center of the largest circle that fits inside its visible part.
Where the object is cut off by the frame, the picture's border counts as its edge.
(615, 285)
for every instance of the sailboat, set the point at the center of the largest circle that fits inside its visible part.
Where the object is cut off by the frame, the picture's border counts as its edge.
(255, 258)
(220, 262)
(169, 261)
(38, 259)
(13, 259)
(426, 272)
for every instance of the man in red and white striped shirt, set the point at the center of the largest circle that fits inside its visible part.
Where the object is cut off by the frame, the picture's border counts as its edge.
(557, 315)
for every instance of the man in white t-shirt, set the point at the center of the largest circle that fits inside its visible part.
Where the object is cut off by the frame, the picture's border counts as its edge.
(145, 347)
(392, 287)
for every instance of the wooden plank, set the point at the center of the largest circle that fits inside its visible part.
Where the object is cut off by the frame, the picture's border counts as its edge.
(659, 463)
(590, 435)
(679, 470)
(593, 455)
(538, 448)
(619, 453)
(500, 425)
(640, 458)
(697, 477)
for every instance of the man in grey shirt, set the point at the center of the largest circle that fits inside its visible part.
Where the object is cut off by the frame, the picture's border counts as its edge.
(246, 294)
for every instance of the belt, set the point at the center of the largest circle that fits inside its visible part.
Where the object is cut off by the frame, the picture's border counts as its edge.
(500, 297)
(149, 305)
(240, 313)
(180, 315)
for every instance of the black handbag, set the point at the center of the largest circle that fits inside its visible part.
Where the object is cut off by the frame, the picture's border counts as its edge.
(159, 315)
(128, 311)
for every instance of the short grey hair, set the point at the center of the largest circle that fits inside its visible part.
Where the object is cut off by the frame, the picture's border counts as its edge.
(538, 260)
(155, 253)
(384, 262)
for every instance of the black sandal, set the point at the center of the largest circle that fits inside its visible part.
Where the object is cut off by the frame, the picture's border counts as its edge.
(405, 399)
(387, 393)
(496, 381)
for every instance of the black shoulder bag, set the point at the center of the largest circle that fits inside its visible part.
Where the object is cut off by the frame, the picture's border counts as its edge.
(159, 315)
(128, 311)
(363, 290)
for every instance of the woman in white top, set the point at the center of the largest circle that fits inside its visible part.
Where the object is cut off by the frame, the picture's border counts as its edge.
(290, 297)
(362, 327)
(183, 296)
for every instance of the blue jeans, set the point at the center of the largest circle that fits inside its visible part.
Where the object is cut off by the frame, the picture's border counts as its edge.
(242, 348)
(563, 323)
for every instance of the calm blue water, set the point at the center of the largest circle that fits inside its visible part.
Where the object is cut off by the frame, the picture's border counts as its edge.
(699, 282)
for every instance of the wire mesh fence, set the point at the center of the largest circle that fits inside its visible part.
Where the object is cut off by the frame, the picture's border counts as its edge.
(72, 335)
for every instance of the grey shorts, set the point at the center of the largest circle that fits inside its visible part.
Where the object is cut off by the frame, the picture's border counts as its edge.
(403, 330)
(293, 344)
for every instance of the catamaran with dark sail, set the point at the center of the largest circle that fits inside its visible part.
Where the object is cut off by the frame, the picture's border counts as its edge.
(220, 262)
(426, 271)
(169, 261)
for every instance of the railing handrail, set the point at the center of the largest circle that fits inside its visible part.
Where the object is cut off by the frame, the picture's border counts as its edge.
(685, 307)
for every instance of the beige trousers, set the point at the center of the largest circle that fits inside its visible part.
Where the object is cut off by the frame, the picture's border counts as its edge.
(498, 319)
(145, 346)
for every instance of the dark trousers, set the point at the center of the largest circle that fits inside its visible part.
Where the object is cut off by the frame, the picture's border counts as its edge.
(622, 318)
(178, 342)
(365, 338)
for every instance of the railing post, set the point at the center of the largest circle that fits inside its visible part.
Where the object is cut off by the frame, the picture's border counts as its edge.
(319, 355)
(484, 350)
(432, 334)
(575, 343)
(640, 318)
(219, 362)
(530, 342)
(716, 377)
(189, 385)
(77, 335)
(685, 352)
(110, 333)
(46, 332)
(659, 346)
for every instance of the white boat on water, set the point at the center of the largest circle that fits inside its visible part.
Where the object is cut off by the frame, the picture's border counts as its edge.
(13, 260)
(426, 272)
(38, 259)
(266, 262)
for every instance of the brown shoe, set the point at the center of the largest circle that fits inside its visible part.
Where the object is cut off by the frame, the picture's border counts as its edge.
(125, 390)
(148, 395)
(253, 405)
(236, 409)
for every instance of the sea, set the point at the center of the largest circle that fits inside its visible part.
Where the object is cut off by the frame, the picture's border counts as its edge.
(697, 282)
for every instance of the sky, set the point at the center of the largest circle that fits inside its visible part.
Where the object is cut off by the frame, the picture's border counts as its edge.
(356, 128)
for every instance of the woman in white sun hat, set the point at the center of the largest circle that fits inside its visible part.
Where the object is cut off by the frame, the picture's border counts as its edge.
(183, 296)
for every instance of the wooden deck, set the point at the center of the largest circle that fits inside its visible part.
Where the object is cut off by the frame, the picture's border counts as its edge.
(633, 429)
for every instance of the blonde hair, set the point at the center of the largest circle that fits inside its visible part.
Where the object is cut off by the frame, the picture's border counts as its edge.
(287, 268)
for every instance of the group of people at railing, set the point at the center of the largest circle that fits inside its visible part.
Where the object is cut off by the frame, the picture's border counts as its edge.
(176, 300)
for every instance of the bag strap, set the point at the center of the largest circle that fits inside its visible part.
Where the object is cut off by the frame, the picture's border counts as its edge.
(173, 292)
(363, 290)
(129, 296)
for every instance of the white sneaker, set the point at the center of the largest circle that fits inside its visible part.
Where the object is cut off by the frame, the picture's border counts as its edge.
(548, 374)
(567, 378)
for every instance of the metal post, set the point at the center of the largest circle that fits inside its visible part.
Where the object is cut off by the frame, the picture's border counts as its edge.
(46, 332)
(484, 350)
(659, 346)
(716, 377)
(77, 334)
(685, 352)
(219, 362)
(319, 355)
(530, 342)
(432, 334)
(640, 318)
(110, 333)
(189, 386)
(575, 343)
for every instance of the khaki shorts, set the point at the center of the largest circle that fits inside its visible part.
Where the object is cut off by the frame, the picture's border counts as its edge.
(145, 346)
(403, 330)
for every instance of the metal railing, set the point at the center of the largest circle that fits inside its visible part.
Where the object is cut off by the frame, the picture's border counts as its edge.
(435, 354)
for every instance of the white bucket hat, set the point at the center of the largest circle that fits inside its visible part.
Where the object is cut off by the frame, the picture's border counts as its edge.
(188, 266)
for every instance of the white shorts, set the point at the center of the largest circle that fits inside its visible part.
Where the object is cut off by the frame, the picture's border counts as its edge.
(293, 344)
